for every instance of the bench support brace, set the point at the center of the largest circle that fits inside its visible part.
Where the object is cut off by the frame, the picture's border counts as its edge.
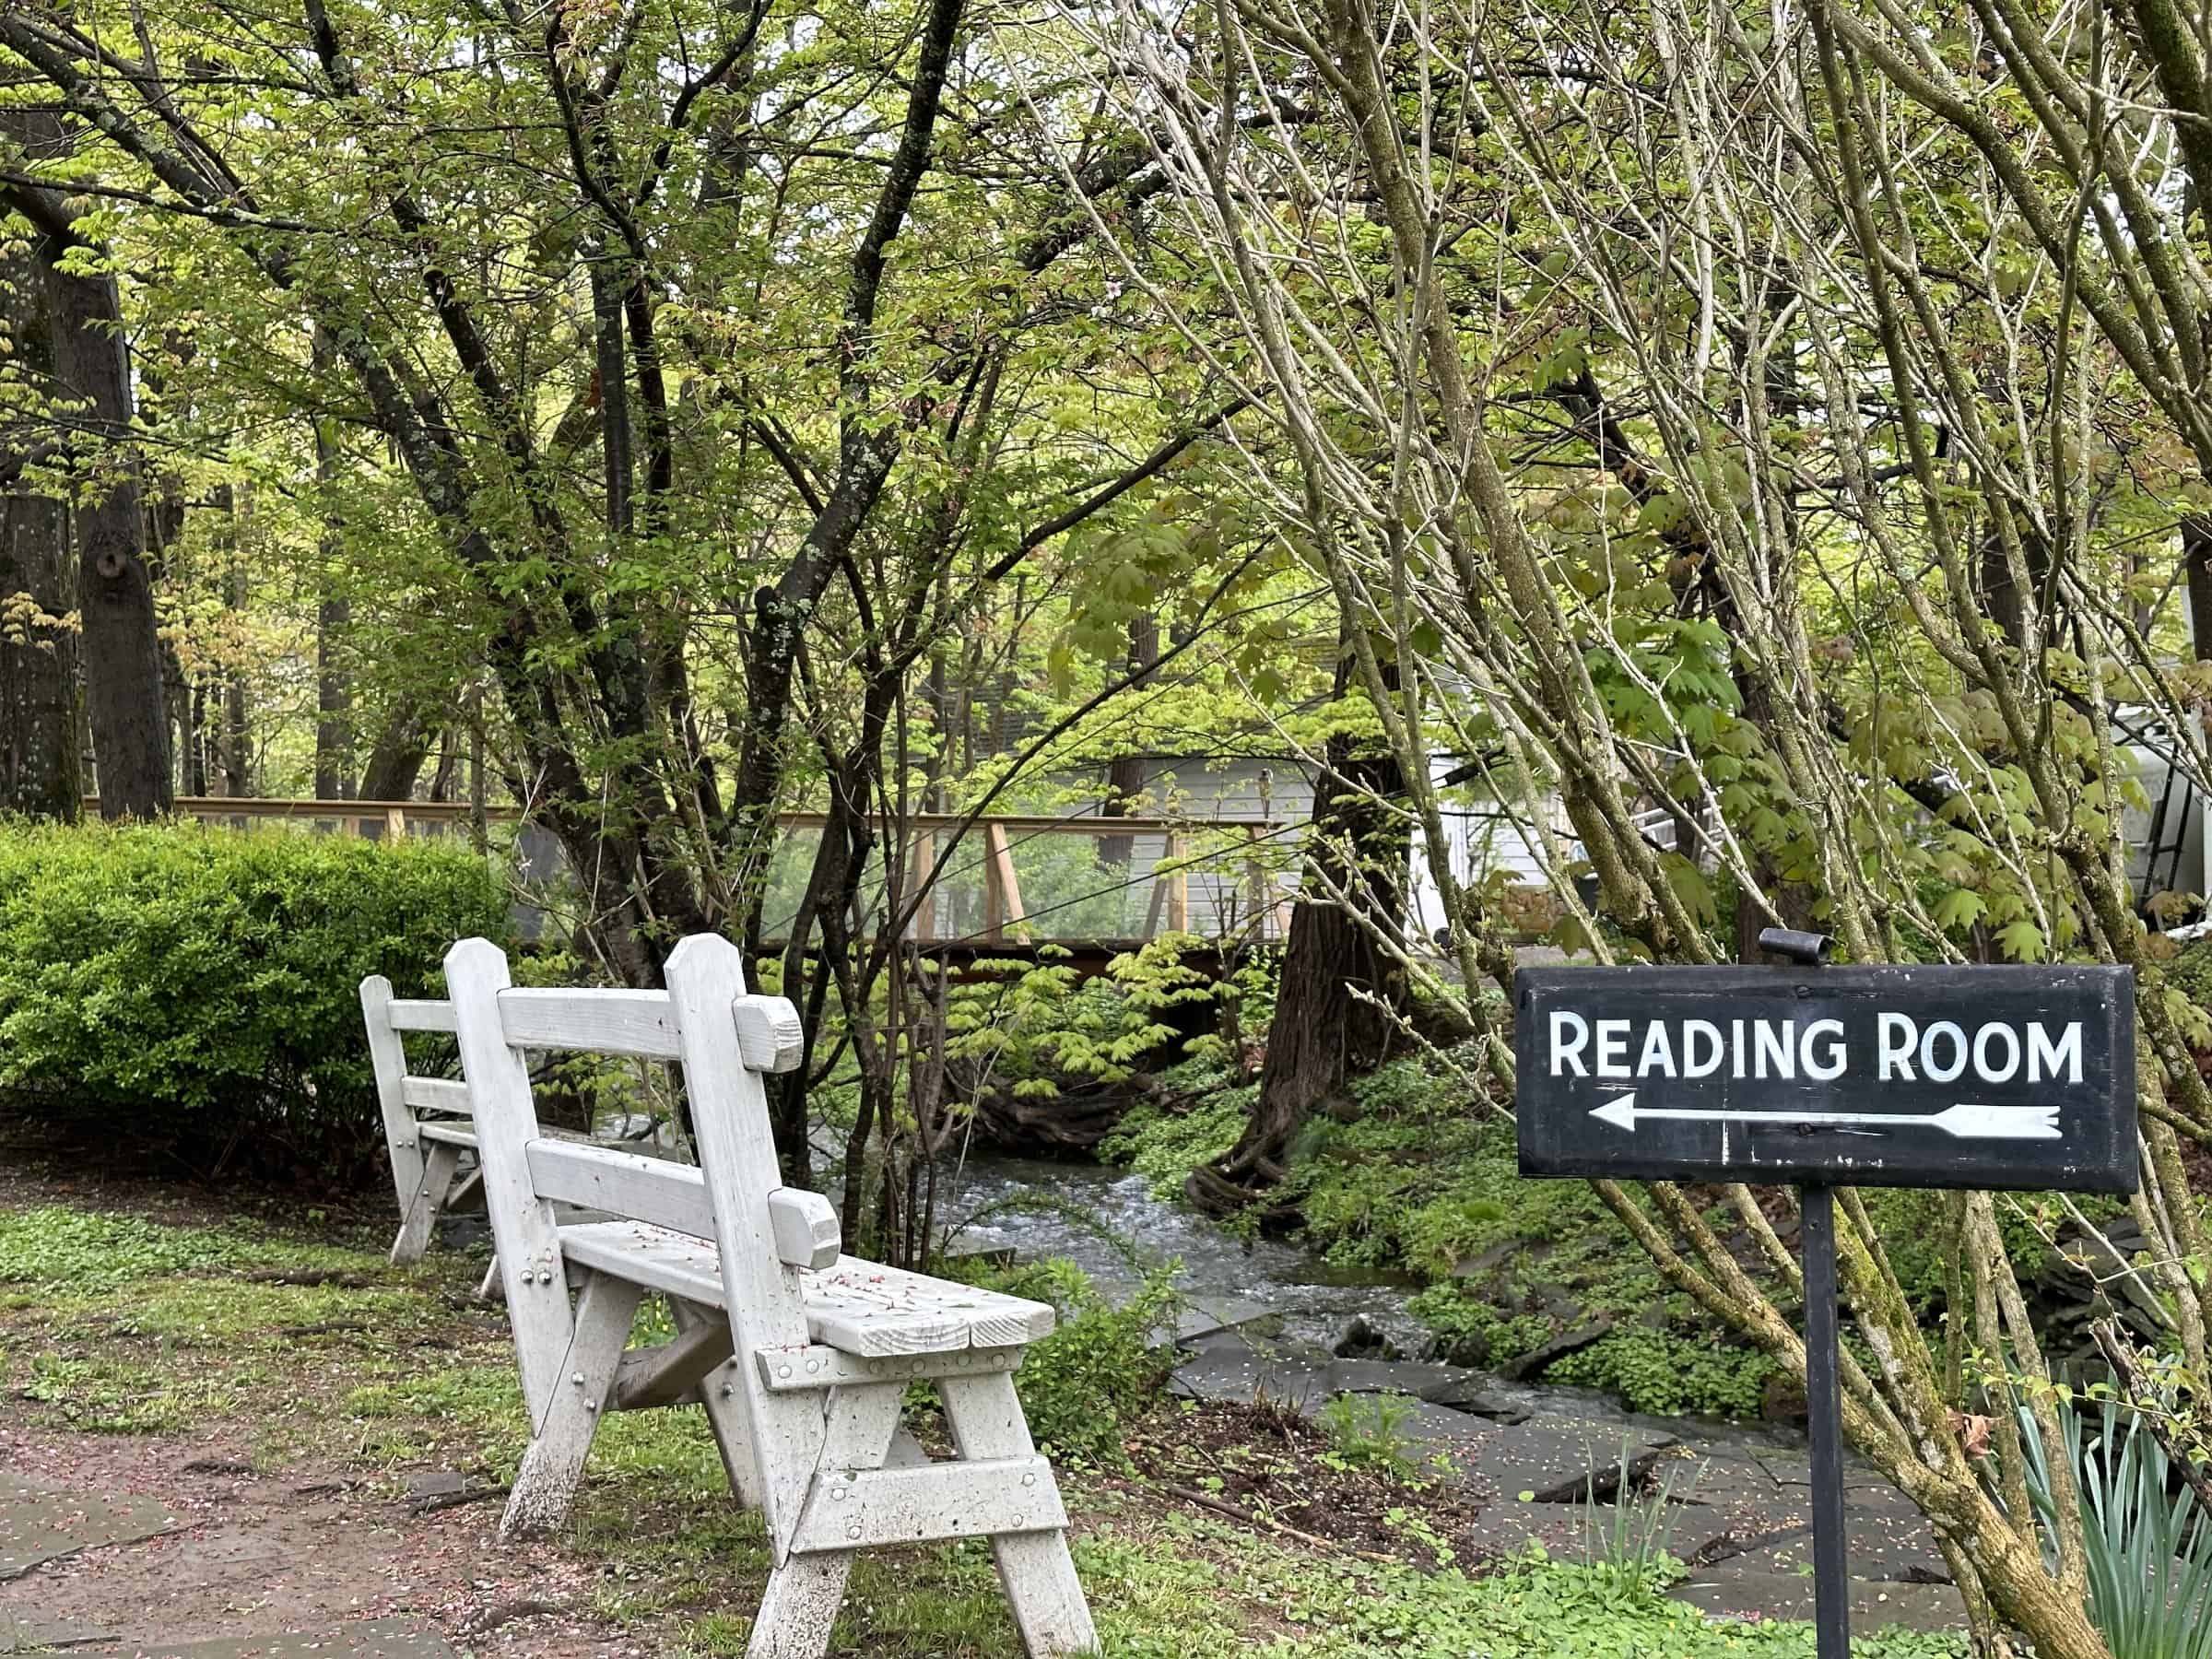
(546, 1481)
(424, 1205)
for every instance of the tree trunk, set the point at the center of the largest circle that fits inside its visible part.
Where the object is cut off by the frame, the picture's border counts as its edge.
(396, 761)
(1125, 773)
(334, 614)
(236, 741)
(38, 774)
(123, 692)
(1327, 1027)
(2196, 565)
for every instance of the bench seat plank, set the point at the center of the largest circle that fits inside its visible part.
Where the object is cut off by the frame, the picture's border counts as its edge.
(856, 1307)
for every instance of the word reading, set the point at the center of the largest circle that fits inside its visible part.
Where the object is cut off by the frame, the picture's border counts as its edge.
(1817, 1049)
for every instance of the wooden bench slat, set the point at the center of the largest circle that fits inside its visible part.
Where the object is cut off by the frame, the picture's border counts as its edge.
(436, 1094)
(646, 1189)
(875, 1305)
(607, 1022)
(419, 1014)
(446, 1134)
(819, 1365)
(652, 1256)
(859, 1308)
(917, 1505)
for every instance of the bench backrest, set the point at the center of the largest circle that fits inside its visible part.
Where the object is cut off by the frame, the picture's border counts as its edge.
(402, 1095)
(728, 1198)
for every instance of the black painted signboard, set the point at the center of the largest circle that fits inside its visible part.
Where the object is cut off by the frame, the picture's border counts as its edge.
(1997, 1077)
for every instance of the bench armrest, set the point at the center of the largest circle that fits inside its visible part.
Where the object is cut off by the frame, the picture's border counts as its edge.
(806, 1228)
(768, 1033)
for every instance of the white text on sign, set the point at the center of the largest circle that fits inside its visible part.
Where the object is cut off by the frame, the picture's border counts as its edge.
(1906, 1049)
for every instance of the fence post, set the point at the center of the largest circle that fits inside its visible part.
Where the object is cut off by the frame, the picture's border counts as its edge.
(925, 924)
(1178, 891)
(1002, 889)
(1171, 895)
(1255, 884)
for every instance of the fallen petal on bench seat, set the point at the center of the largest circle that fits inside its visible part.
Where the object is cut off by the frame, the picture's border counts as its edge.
(857, 1307)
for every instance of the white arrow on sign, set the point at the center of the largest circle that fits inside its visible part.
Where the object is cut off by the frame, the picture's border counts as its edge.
(1962, 1122)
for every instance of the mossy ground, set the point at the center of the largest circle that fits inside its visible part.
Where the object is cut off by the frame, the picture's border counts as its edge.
(296, 1345)
(1414, 1172)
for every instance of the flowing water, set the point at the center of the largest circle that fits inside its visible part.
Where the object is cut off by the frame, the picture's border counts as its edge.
(1108, 1222)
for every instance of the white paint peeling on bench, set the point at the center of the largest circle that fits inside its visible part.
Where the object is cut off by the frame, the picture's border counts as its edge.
(921, 1505)
(818, 1366)
(653, 1189)
(858, 1307)
(768, 1033)
(805, 1228)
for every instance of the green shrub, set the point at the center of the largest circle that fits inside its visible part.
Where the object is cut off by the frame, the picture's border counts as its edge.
(1165, 1141)
(199, 987)
(1367, 1432)
(1664, 1372)
(1101, 1366)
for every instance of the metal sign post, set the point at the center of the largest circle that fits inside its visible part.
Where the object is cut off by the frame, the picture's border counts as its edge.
(1824, 1417)
(1978, 1078)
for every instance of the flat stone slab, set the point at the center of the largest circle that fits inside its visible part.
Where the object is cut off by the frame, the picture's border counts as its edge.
(1887, 1540)
(38, 1523)
(384, 1638)
(1556, 1462)
(1578, 1532)
(1207, 1316)
(1738, 1589)
(35, 1633)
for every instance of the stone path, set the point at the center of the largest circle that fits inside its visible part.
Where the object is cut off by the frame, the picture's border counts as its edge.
(41, 1523)
(1547, 1462)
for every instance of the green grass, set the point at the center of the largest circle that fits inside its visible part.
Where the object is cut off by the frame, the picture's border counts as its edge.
(126, 1325)
(56, 1245)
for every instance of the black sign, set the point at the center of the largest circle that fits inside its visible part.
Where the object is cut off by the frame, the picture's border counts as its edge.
(2019, 1077)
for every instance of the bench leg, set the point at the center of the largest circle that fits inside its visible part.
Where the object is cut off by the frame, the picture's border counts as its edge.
(422, 1209)
(805, 1593)
(545, 1483)
(1034, 1568)
(726, 1412)
(800, 1608)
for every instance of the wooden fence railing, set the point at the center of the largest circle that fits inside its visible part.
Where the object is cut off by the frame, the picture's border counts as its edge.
(978, 895)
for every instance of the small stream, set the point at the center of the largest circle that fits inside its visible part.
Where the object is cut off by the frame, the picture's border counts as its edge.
(1109, 1224)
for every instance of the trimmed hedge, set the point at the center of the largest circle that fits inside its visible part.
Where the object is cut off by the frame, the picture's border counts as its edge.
(197, 987)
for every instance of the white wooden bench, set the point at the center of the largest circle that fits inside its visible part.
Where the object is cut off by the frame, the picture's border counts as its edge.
(429, 1121)
(801, 1356)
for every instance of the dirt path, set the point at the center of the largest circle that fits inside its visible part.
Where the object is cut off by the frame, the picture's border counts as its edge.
(159, 1543)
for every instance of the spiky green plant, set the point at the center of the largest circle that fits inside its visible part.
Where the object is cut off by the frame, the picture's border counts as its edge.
(2149, 1542)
